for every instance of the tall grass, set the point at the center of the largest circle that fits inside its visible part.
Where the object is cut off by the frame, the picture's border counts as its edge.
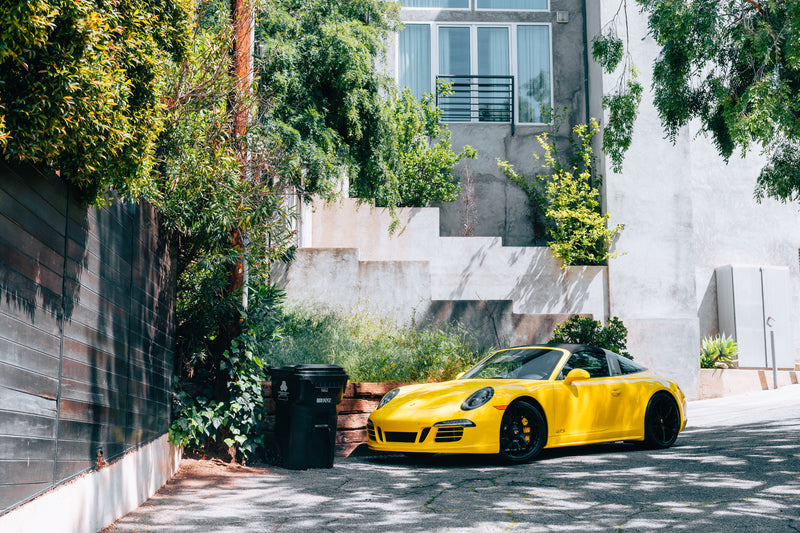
(371, 348)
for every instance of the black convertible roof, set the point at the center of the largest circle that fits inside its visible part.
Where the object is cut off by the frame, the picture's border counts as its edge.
(569, 347)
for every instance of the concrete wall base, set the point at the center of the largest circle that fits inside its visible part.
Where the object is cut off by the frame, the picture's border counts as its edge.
(719, 382)
(93, 500)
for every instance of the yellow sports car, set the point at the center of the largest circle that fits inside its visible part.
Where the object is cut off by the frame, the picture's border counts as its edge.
(520, 400)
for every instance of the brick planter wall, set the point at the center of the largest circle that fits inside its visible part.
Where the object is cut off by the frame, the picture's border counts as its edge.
(357, 403)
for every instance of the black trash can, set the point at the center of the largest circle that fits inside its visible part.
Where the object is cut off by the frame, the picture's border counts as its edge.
(307, 398)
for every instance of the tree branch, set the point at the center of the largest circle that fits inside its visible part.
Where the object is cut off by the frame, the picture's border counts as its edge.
(757, 5)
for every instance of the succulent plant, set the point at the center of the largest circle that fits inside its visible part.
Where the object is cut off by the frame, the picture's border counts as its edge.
(718, 352)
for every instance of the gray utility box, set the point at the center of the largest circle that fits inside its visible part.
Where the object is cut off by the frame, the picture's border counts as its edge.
(755, 309)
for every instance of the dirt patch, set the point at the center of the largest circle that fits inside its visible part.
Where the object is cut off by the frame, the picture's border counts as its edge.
(200, 472)
(197, 473)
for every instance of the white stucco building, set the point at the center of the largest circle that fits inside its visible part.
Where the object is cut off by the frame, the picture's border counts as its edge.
(692, 229)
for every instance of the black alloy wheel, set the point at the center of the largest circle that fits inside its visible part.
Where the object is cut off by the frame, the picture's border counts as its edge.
(662, 421)
(523, 432)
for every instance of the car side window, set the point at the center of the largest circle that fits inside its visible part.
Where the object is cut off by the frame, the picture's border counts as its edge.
(613, 363)
(629, 367)
(594, 363)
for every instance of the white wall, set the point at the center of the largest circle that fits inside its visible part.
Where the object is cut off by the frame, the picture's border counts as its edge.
(93, 500)
(685, 212)
(459, 268)
(731, 228)
(652, 286)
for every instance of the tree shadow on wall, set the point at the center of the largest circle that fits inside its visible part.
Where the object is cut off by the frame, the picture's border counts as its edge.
(33, 222)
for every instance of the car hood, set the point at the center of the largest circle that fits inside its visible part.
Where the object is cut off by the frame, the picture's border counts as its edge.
(451, 394)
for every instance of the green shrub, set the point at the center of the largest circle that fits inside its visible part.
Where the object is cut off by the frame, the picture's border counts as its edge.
(232, 422)
(718, 352)
(80, 87)
(567, 199)
(584, 330)
(367, 347)
(371, 348)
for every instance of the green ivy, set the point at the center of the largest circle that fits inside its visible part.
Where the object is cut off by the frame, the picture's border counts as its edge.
(234, 424)
(80, 87)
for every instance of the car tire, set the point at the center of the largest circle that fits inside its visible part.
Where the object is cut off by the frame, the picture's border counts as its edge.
(662, 421)
(523, 433)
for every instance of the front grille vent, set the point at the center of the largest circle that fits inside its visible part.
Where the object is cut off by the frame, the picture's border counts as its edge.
(400, 436)
(424, 434)
(449, 434)
(370, 430)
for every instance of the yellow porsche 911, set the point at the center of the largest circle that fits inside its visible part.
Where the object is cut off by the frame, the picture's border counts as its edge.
(520, 400)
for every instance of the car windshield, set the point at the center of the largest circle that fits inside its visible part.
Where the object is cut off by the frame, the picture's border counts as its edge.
(517, 363)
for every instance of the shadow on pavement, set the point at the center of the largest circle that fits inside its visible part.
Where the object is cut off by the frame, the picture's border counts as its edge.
(713, 479)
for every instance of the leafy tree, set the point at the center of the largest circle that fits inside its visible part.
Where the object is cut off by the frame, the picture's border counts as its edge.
(333, 108)
(206, 193)
(420, 170)
(584, 330)
(320, 109)
(79, 86)
(735, 66)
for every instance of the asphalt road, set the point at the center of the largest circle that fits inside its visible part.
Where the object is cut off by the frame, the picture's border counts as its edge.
(736, 467)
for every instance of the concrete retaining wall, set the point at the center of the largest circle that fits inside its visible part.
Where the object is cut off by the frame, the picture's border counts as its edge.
(506, 294)
(720, 382)
(95, 499)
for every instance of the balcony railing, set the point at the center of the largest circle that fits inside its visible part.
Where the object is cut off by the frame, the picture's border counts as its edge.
(476, 98)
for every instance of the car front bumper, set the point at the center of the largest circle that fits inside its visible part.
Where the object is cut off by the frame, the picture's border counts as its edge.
(462, 433)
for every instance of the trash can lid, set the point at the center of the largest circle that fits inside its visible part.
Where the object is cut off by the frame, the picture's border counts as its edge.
(312, 370)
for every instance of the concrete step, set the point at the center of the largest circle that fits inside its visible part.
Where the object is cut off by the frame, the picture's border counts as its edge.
(719, 382)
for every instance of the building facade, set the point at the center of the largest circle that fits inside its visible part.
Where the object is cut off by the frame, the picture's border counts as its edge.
(695, 242)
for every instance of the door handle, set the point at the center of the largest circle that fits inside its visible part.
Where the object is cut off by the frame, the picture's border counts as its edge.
(615, 392)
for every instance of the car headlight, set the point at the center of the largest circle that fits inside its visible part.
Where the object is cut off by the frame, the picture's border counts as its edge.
(388, 398)
(477, 398)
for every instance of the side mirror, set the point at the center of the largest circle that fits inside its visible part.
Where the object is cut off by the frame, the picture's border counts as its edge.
(576, 374)
(460, 375)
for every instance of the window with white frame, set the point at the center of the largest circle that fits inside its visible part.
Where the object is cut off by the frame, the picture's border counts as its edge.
(445, 4)
(538, 5)
(476, 60)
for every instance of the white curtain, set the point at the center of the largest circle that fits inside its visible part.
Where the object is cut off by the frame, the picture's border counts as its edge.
(512, 4)
(493, 51)
(463, 4)
(454, 59)
(414, 63)
(454, 51)
(493, 60)
(533, 72)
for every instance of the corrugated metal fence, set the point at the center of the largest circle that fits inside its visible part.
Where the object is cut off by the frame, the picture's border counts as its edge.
(86, 332)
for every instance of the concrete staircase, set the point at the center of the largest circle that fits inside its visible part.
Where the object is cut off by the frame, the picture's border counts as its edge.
(505, 294)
